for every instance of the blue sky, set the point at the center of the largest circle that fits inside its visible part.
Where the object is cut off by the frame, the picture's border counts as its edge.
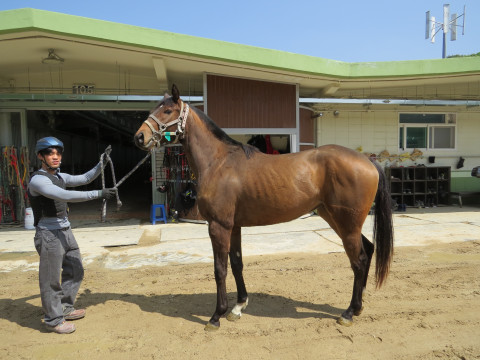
(352, 31)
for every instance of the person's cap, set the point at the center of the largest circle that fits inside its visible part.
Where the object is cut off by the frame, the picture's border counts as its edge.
(48, 142)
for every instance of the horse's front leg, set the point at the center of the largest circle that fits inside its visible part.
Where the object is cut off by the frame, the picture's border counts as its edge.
(237, 270)
(220, 238)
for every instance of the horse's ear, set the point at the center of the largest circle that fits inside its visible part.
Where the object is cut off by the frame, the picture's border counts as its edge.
(175, 93)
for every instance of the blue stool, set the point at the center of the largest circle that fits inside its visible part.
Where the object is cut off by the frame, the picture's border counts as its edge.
(153, 214)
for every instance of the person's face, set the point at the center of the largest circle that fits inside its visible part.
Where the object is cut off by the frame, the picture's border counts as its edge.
(53, 158)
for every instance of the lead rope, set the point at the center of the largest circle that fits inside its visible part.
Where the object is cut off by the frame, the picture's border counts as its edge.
(104, 201)
(105, 157)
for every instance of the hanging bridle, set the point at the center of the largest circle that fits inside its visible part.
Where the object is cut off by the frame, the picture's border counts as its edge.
(157, 135)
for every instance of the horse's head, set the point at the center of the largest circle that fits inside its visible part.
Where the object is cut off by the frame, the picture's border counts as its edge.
(167, 120)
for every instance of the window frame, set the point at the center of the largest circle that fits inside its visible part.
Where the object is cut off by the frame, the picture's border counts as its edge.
(450, 122)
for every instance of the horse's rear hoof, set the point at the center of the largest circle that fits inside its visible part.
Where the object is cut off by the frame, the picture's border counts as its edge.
(345, 322)
(236, 312)
(211, 327)
(233, 317)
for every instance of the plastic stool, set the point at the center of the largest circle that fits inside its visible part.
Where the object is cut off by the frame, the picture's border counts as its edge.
(153, 214)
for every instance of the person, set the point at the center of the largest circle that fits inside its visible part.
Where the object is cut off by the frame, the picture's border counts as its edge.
(60, 270)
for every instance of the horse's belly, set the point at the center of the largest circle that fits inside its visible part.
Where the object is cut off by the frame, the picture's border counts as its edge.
(259, 212)
(275, 197)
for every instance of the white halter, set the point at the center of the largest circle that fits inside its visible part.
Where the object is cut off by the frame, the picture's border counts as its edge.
(158, 134)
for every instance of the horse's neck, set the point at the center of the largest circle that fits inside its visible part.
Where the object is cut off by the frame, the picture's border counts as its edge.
(201, 146)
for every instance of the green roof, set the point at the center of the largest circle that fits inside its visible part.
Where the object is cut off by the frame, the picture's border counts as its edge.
(22, 20)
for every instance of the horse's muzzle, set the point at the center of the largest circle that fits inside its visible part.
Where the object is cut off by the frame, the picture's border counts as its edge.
(139, 140)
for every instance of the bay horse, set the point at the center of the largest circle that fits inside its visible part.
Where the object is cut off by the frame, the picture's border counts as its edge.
(241, 186)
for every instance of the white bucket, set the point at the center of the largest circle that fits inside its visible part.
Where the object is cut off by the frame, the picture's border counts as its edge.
(29, 219)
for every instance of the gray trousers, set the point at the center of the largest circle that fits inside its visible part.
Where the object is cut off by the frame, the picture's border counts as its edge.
(60, 272)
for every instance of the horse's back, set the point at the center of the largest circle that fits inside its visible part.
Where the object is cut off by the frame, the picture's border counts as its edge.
(342, 155)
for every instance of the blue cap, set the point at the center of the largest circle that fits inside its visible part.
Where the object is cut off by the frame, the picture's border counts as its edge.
(47, 142)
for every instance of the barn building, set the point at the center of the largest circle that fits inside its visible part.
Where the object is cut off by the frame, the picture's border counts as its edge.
(91, 83)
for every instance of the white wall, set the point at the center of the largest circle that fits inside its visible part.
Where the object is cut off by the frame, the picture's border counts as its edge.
(373, 131)
(377, 130)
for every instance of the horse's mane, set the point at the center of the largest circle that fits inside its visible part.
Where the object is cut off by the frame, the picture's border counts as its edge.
(249, 150)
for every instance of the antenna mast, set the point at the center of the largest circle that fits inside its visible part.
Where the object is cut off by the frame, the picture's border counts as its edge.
(432, 27)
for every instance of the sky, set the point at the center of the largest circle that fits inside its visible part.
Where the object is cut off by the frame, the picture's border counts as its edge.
(350, 31)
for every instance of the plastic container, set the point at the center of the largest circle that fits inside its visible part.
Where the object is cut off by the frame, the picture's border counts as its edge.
(29, 219)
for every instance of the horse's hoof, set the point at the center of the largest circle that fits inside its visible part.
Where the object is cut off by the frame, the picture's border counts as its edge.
(233, 317)
(345, 322)
(211, 327)
(236, 312)
(358, 312)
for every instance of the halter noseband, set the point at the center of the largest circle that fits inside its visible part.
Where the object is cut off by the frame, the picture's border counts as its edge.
(158, 134)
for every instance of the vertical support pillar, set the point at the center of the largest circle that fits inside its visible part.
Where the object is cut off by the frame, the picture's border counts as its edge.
(5, 129)
(23, 127)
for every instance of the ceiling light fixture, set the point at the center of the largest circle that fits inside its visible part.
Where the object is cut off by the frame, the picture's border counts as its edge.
(52, 58)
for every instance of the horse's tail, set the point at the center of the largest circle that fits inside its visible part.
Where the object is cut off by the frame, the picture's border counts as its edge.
(383, 227)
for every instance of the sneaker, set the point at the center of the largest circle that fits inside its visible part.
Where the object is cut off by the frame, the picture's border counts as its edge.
(76, 314)
(62, 328)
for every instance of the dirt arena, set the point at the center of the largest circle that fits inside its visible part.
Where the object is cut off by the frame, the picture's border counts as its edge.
(428, 309)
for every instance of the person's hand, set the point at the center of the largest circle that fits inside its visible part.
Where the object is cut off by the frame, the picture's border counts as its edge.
(107, 193)
(108, 150)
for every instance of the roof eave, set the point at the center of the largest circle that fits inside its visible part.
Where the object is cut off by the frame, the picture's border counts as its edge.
(23, 20)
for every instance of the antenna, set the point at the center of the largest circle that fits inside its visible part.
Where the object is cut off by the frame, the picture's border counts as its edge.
(453, 24)
(432, 27)
(427, 25)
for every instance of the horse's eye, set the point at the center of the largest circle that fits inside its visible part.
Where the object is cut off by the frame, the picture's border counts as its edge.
(168, 111)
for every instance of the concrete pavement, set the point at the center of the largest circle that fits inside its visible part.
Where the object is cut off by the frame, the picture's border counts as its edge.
(120, 244)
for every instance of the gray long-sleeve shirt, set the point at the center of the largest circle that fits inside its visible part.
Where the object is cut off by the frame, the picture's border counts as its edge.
(42, 185)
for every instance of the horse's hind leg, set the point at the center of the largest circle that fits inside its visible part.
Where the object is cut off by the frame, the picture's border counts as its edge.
(360, 255)
(237, 270)
(369, 249)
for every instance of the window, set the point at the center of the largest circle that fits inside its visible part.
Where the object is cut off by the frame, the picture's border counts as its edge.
(442, 137)
(427, 131)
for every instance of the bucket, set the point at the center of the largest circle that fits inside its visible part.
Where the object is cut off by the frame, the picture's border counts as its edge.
(29, 219)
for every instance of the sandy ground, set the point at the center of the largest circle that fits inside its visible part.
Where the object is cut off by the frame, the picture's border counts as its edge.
(428, 309)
